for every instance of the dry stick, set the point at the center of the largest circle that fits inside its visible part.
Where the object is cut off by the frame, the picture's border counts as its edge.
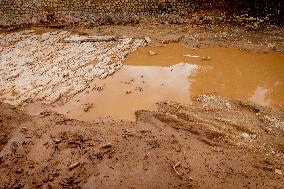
(174, 167)
(73, 166)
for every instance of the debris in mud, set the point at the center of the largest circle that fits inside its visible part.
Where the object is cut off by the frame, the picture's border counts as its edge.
(206, 58)
(98, 88)
(175, 166)
(87, 107)
(152, 53)
(73, 166)
(77, 38)
(191, 56)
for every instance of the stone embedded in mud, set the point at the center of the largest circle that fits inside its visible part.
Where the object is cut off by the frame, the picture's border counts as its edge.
(152, 53)
(148, 40)
(228, 105)
(278, 171)
(247, 136)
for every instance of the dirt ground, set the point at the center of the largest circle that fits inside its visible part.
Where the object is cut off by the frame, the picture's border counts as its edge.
(214, 143)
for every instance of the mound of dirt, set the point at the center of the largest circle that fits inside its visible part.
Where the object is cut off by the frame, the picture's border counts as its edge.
(214, 143)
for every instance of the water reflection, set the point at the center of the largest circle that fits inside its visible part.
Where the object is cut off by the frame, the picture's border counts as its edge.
(132, 88)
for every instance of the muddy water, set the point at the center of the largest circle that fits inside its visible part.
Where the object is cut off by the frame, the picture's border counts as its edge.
(131, 88)
(147, 79)
(258, 77)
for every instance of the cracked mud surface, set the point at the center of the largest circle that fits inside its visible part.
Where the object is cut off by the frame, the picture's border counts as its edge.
(46, 68)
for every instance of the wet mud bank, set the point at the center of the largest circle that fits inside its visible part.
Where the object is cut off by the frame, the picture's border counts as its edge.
(214, 143)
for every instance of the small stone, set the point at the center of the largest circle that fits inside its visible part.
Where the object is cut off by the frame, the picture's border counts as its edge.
(253, 136)
(128, 92)
(148, 40)
(152, 53)
(57, 140)
(245, 136)
(19, 170)
(108, 145)
(278, 171)
(228, 105)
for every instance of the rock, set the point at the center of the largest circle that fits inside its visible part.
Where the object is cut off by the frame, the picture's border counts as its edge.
(19, 170)
(108, 145)
(148, 40)
(228, 105)
(89, 38)
(278, 171)
(152, 53)
(57, 140)
(245, 136)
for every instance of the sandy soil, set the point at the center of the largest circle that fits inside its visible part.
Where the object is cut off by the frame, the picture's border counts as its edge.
(214, 143)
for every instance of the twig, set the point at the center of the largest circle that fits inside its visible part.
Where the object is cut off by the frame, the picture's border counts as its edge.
(73, 166)
(174, 167)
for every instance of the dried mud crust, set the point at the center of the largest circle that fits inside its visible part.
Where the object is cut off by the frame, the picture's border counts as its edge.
(214, 143)
(46, 67)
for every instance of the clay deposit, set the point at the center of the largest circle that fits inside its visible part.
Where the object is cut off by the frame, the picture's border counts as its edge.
(46, 67)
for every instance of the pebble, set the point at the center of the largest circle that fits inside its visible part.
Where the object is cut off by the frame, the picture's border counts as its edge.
(148, 40)
(108, 145)
(278, 171)
(73, 166)
(228, 105)
(152, 53)
(245, 136)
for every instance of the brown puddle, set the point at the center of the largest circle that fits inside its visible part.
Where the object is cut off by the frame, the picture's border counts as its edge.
(131, 88)
(145, 80)
(258, 77)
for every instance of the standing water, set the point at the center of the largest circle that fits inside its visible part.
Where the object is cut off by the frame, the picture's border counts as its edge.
(174, 72)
